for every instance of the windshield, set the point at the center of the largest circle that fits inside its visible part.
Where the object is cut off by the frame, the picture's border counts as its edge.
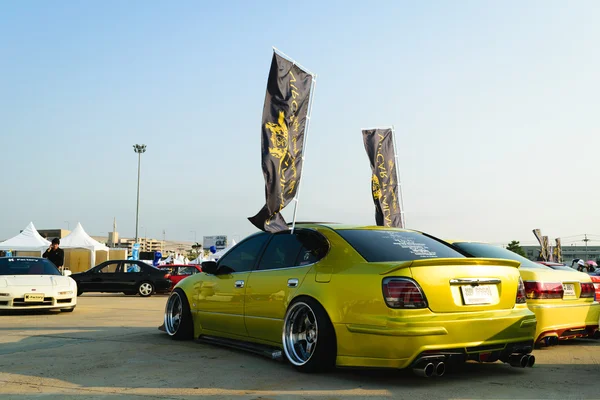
(489, 251)
(386, 245)
(27, 266)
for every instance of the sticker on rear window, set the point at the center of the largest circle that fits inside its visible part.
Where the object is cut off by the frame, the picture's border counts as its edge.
(418, 249)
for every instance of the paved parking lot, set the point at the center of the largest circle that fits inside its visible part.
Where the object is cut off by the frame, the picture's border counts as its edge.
(110, 348)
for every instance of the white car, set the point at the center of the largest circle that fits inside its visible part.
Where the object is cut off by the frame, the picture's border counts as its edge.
(28, 283)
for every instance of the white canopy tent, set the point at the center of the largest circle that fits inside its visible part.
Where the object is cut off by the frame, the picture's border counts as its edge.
(221, 253)
(79, 239)
(197, 260)
(178, 259)
(28, 240)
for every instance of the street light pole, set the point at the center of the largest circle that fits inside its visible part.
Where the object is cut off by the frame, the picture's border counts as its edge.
(139, 149)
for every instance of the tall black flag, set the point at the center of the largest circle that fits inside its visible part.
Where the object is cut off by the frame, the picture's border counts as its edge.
(283, 125)
(379, 144)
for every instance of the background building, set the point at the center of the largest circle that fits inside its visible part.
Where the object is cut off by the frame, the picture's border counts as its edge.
(568, 253)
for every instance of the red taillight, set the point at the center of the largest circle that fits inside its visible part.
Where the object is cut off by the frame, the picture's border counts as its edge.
(403, 293)
(587, 290)
(597, 286)
(543, 290)
(521, 295)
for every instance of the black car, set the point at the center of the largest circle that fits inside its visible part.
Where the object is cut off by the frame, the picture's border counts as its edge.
(128, 276)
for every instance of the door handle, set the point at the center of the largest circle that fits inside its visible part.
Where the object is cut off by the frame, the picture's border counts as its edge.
(239, 284)
(292, 282)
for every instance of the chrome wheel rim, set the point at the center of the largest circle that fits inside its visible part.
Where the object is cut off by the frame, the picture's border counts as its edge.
(173, 314)
(145, 289)
(300, 334)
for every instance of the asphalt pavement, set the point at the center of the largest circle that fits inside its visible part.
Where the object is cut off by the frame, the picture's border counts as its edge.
(110, 348)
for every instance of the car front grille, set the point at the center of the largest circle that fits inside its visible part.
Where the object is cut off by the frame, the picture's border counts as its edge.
(64, 300)
(20, 302)
(3, 303)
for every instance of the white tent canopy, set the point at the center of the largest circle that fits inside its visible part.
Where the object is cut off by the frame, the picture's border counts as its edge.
(79, 239)
(221, 253)
(28, 240)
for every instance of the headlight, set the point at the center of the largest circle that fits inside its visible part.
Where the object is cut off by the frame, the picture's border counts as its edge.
(67, 292)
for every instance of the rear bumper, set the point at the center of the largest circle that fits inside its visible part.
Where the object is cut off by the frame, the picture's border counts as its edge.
(401, 342)
(566, 321)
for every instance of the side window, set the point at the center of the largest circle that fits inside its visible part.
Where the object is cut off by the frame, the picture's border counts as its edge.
(314, 247)
(108, 268)
(281, 252)
(243, 256)
(169, 270)
(129, 267)
(187, 270)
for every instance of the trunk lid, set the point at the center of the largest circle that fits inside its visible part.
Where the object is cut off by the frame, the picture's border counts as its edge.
(466, 284)
(570, 280)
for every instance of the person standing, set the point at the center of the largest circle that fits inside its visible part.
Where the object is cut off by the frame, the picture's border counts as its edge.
(55, 254)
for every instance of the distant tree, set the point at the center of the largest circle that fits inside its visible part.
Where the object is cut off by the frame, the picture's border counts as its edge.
(515, 247)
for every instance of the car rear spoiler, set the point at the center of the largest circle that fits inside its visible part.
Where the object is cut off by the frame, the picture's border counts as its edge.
(428, 262)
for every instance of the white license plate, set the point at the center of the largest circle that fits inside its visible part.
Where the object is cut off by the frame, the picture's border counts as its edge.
(34, 297)
(481, 294)
(569, 290)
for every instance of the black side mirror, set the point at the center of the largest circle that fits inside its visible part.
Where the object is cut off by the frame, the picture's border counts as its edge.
(210, 267)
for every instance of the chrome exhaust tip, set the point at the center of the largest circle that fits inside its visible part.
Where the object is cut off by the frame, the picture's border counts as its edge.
(551, 341)
(530, 360)
(440, 369)
(426, 371)
(518, 360)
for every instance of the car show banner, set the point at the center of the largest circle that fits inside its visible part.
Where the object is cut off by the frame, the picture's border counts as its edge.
(283, 129)
(558, 251)
(379, 144)
(538, 235)
(545, 248)
(219, 242)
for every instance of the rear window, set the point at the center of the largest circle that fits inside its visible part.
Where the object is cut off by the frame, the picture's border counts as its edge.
(488, 251)
(27, 266)
(383, 245)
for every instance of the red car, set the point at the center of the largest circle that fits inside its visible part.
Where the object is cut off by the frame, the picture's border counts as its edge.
(596, 280)
(179, 272)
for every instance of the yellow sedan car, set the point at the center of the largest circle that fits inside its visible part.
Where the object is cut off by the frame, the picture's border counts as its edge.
(563, 301)
(350, 296)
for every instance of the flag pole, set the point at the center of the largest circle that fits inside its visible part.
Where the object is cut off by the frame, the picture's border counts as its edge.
(308, 118)
(313, 85)
(402, 215)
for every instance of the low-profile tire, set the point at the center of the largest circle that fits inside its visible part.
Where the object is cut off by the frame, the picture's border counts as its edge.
(309, 341)
(70, 309)
(178, 317)
(145, 289)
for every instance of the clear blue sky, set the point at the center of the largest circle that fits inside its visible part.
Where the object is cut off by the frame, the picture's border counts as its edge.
(495, 106)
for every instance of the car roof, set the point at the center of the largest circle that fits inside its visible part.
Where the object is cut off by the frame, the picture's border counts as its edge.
(338, 226)
(25, 257)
